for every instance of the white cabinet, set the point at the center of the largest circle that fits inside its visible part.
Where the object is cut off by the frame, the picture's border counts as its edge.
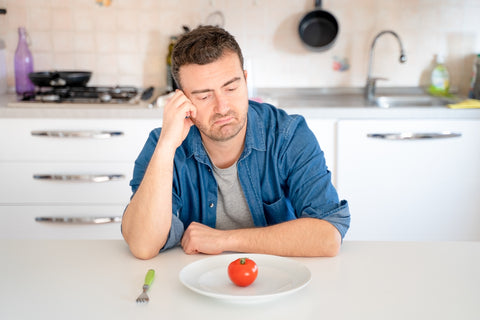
(67, 178)
(324, 130)
(410, 179)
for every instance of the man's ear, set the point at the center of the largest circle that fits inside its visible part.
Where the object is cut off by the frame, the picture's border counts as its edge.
(245, 74)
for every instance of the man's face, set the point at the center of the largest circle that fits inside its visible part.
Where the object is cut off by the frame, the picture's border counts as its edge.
(219, 92)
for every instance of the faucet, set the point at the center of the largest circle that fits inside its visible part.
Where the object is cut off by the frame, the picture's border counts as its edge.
(371, 81)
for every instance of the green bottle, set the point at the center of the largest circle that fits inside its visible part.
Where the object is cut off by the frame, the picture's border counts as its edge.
(171, 84)
(440, 80)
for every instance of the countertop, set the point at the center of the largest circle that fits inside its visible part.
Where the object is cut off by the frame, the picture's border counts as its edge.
(336, 107)
(100, 279)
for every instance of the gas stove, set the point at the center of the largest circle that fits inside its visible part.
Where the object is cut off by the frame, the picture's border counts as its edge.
(83, 95)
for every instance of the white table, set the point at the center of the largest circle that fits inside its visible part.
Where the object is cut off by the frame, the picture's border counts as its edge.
(67, 279)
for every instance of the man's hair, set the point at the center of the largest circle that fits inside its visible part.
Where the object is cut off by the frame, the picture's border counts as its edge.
(202, 45)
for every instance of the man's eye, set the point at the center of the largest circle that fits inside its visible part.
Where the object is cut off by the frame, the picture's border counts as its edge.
(232, 89)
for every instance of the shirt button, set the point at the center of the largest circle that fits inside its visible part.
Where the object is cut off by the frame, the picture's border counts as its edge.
(211, 204)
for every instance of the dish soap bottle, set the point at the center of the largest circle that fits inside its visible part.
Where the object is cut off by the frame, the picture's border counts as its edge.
(23, 64)
(475, 83)
(171, 84)
(440, 78)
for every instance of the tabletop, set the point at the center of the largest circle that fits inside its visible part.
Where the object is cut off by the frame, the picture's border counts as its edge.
(100, 279)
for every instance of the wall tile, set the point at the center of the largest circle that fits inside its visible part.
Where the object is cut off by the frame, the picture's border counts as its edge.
(39, 18)
(83, 20)
(83, 42)
(127, 42)
(63, 41)
(62, 19)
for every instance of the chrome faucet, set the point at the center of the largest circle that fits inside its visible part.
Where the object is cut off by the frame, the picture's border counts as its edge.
(371, 81)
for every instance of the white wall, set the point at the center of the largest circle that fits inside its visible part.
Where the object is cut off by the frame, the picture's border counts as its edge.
(126, 42)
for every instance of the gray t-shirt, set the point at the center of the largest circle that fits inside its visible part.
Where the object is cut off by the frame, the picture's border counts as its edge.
(232, 207)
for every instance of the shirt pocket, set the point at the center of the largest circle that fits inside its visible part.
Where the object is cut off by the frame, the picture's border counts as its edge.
(278, 211)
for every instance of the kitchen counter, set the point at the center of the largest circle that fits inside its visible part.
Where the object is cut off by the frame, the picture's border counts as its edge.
(338, 108)
(59, 279)
(10, 108)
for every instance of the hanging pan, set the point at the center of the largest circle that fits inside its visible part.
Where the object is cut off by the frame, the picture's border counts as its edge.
(318, 29)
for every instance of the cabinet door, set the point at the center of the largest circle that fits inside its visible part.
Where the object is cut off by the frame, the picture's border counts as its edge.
(324, 130)
(60, 222)
(402, 188)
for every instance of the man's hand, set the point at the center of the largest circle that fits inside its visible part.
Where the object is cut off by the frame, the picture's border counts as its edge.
(177, 119)
(199, 238)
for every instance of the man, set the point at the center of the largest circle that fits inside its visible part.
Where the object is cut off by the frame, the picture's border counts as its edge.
(228, 174)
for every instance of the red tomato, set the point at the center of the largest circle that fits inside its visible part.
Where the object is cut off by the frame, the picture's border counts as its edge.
(243, 272)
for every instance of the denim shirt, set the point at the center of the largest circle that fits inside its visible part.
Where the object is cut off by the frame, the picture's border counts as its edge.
(282, 172)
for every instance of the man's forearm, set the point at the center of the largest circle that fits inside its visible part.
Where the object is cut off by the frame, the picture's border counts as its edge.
(147, 219)
(302, 237)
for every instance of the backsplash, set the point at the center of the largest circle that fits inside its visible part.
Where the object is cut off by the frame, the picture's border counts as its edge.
(126, 43)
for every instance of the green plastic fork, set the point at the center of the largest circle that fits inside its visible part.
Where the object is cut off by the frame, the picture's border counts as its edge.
(143, 297)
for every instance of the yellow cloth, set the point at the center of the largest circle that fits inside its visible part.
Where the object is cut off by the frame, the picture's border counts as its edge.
(467, 104)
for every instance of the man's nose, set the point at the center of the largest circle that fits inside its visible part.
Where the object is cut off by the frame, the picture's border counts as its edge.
(221, 104)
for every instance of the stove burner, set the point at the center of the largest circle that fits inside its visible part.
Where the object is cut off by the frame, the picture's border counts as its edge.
(87, 95)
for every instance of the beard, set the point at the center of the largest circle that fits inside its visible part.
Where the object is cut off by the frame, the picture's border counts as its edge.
(223, 132)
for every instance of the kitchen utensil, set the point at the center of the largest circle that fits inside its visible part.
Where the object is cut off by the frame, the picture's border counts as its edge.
(147, 93)
(318, 29)
(143, 297)
(60, 78)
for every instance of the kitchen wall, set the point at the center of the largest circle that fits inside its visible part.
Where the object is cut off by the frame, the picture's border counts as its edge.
(126, 42)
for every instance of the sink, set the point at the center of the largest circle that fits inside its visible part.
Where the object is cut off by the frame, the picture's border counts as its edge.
(386, 97)
(410, 101)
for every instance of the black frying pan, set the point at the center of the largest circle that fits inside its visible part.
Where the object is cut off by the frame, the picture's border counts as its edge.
(318, 29)
(60, 78)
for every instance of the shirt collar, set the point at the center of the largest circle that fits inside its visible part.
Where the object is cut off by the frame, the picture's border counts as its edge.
(255, 138)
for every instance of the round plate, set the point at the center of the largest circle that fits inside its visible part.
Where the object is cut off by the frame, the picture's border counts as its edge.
(276, 276)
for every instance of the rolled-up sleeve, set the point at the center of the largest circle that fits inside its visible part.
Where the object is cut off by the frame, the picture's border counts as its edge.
(339, 217)
(310, 187)
(175, 234)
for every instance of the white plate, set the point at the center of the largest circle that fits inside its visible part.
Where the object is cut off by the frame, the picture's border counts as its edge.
(276, 276)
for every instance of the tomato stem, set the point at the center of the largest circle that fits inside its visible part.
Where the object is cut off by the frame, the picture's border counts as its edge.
(243, 260)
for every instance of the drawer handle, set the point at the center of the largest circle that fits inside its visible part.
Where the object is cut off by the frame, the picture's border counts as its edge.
(79, 220)
(414, 136)
(79, 177)
(89, 134)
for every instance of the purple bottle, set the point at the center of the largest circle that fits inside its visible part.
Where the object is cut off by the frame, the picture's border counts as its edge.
(23, 64)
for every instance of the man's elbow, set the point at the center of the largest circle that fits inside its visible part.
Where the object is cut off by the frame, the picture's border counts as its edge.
(141, 249)
(144, 253)
(332, 244)
(333, 248)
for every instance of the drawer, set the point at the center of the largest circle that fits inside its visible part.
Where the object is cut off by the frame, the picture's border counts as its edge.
(73, 139)
(66, 222)
(66, 183)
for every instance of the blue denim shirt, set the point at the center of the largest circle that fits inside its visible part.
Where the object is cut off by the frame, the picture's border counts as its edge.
(282, 172)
